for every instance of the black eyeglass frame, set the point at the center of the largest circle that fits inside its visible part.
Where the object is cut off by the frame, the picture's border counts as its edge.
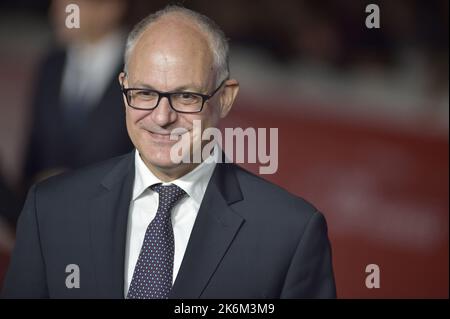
(205, 97)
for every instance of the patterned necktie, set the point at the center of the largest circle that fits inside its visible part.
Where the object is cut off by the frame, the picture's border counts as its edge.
(152, 277)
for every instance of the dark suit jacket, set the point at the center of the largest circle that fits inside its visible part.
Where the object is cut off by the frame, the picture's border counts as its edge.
(103, 136)
(251, 239)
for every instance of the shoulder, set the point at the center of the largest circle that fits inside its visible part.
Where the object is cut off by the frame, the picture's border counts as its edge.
(83, 182)
(266, 199)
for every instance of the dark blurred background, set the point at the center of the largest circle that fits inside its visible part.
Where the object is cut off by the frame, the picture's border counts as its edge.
(362, 116)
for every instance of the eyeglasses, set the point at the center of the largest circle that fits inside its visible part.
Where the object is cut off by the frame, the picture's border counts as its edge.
(181, 102)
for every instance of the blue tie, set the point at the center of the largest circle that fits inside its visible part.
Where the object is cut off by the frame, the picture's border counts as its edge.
(152, 277)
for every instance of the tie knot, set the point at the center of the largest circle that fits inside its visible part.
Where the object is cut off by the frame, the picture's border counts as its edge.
(168, 195)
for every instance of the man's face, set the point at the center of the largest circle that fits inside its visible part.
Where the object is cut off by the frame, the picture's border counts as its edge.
(170, 56)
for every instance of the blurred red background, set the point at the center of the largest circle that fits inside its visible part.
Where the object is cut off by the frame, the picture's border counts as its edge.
(383, 190)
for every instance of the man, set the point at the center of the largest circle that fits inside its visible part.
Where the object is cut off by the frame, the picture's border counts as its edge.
(77, 113)
(144, 226)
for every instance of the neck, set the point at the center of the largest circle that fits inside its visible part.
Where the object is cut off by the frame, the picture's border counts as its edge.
(167, 175)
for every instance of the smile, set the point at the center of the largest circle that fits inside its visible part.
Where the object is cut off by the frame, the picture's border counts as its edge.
(164, 138)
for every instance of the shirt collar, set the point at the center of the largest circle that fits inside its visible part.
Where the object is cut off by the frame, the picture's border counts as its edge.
(193, 183)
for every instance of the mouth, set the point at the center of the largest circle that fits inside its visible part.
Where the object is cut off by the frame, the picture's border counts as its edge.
(163, 137)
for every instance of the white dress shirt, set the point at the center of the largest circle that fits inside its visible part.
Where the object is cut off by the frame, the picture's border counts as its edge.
(144, 204)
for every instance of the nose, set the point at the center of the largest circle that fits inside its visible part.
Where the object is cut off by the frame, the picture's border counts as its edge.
(163, 114)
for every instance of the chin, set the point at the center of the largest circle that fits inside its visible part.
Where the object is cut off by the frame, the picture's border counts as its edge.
(158, 159)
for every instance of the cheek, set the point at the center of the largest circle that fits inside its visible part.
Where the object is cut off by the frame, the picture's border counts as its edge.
(130, 128)
(134, 117)
(130, 122)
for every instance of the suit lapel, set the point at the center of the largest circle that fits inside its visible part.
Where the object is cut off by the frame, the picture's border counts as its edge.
(108, 227)
(213, 232)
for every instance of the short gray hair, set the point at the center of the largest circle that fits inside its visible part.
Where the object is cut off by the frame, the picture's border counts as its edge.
(216, 38)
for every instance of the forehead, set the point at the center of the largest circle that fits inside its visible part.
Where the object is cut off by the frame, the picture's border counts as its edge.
(172, 49)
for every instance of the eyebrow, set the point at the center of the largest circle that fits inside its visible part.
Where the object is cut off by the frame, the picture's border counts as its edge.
(182, 88)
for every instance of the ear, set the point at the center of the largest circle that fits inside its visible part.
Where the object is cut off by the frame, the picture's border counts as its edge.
(122, 76)
(229, 93)
(122, 79)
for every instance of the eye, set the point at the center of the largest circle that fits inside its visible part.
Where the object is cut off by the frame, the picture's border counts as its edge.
(186, 97)
(145, 94)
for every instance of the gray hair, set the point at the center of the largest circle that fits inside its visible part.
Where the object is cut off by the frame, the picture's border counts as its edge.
(216, 38)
